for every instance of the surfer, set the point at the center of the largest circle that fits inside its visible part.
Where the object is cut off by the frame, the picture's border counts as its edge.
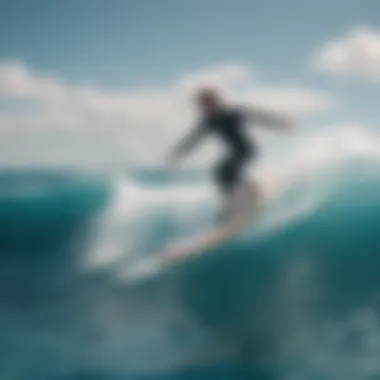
(226, 122)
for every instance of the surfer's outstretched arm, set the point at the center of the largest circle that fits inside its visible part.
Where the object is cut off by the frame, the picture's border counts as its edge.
(269, 118)
(187, 143)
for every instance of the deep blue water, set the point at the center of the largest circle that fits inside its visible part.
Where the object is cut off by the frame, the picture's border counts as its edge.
(297, 296)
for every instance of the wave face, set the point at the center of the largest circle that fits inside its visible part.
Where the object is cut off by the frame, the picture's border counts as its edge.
(296, 296)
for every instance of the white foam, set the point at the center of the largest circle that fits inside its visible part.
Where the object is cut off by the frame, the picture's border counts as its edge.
(135, 213)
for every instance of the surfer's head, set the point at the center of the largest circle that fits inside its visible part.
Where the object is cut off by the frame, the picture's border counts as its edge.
(209, 100)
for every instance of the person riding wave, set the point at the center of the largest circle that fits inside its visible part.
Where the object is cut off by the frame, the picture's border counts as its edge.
(229, 125)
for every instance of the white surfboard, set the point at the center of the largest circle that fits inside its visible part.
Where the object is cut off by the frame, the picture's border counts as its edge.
(242, 211)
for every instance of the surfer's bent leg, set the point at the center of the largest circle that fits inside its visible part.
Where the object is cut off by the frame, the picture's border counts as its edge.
(228, 174)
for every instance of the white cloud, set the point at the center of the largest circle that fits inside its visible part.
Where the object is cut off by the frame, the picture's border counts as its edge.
(18, 82)
(223, 76)
(139, 123)
(357, 53)
(291, 100)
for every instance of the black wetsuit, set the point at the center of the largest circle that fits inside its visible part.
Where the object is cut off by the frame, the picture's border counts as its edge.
(228, 125)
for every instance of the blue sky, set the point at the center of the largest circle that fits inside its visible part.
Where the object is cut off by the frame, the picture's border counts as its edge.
(130, 41)
(126, 45)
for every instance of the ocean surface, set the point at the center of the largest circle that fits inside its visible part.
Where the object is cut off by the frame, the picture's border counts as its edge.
(296, 296)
